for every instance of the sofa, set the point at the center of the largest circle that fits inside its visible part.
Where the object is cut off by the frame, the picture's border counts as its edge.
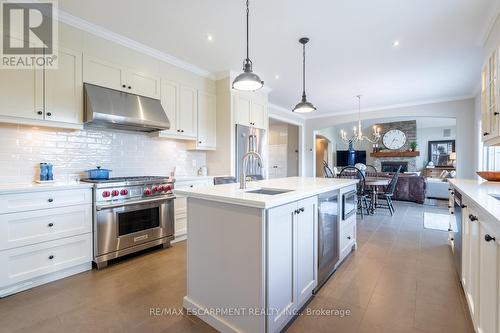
(437, 188)
(410, 187)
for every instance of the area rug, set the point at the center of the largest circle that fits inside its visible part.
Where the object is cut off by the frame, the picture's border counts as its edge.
(436, 221)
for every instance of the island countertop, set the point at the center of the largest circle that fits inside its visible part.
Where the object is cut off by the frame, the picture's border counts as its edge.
(300, 188)
(479, 192)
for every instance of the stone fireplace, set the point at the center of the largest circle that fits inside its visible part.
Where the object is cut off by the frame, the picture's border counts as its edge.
(392, 166)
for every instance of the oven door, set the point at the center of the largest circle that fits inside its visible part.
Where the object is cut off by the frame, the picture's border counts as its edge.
(349, 205)
(120, 226)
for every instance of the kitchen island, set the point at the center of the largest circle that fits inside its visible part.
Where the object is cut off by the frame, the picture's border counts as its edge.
(253, 253)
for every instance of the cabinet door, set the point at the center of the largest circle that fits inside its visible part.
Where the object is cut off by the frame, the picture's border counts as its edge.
(281, 281)
(258, 115)
(103, 73)
(306, 241)
(206, 120)
(186, 118)
(64, 89)
(21, 95)
(488, 281)
(242, 110)
(170, 103)
(143, 84)
(472, 290)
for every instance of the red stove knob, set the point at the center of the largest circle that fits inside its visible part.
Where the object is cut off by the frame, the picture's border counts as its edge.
(161, 188)
(115, 193)
(155, 189)
(168, 188)
(124, 192)
(106, 194)
(147, 191)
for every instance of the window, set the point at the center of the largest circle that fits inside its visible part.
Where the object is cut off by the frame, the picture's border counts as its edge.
(491, 158)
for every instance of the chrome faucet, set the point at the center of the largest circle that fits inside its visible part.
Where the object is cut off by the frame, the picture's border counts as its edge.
(244, 164)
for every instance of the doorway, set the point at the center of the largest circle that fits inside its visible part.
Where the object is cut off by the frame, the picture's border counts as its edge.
(323, 148)
(283, 149)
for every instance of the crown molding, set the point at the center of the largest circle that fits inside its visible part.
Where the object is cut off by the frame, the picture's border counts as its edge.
(286, 112)
(489, 22)
(97, 30)
(394, 106)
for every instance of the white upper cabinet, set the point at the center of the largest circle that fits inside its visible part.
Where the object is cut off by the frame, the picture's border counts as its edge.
(115, 76)
(170, 103)
(187, 117)
(64, 89)
(206, 138)
(490, 110)
(45, 95)
(250, 111)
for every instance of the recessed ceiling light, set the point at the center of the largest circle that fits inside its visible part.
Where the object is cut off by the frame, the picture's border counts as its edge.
(210, 37)
(395, 43)
(276, 77)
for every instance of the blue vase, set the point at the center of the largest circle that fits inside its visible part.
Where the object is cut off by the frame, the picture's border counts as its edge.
(50, 174)
(351, 155)
(43, 171)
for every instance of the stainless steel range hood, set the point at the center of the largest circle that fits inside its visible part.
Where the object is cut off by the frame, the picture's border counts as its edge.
(108, 108)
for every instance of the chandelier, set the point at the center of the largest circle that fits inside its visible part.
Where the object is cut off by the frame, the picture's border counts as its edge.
(357, 131)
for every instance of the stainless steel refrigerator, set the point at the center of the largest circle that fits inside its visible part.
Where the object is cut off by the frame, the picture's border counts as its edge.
(250, 139)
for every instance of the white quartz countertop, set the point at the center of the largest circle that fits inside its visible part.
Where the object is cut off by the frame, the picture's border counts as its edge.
(479, 192)
(301, 187)
(33, 187)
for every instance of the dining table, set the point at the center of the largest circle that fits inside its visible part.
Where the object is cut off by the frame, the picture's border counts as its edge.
(375, 183)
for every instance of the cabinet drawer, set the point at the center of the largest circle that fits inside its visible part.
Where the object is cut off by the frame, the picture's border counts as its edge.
(31, 227)
(11, 203)
(347, 235)
(29, 262)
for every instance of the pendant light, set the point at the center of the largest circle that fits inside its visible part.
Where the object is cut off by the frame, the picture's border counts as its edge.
(247, 81)
(304, 106)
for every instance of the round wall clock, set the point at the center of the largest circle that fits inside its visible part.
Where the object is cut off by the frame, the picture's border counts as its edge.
(394, 139)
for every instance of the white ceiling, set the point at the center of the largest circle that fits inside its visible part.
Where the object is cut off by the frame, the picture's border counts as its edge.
(350, 51)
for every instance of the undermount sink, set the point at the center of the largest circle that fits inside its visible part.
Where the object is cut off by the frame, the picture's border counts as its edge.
(496, 196)
(268, 191)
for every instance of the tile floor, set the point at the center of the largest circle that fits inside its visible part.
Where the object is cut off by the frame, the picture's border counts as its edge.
(401, 279)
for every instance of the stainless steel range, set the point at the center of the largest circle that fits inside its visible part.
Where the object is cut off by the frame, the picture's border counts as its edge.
(131, 214)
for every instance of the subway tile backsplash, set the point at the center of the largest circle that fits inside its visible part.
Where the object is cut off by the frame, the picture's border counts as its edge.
(22, 148)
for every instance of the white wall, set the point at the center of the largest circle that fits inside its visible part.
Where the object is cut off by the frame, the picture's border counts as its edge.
(73, 152)
(462, 111)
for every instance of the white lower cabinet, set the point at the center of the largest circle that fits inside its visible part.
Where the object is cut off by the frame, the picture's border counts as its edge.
(480, 265)
(44, 236)
(291, 259)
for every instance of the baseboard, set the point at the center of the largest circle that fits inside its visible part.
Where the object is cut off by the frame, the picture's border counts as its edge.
(204, 314)
(25, 285)
(179, 238)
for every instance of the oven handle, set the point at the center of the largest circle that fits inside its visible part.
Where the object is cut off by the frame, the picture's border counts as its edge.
(135, 202)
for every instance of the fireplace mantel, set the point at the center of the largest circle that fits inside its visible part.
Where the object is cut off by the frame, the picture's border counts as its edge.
(382, 154)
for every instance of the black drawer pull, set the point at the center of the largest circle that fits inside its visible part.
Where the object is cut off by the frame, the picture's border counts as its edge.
(39, 113)
(50, 225)
(348, 237)
(488, 238)
(301, 209)
(124, 86)
(464, 206)
(49, 114)
(51, 257)
(50, 200)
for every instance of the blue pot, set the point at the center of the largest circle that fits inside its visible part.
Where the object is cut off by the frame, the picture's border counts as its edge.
(98, 173)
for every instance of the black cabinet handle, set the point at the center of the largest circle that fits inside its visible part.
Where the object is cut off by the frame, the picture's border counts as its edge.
(50, 225)
(48, 114)
(301, 209)
(452, 239)
(178, 130)
(124, 86)
(39, 113)
(348, 237)
(449, 229)
(488, 238)
(191, 185)
(51, 257)
(464, 206)
(129, 87)
(449, 206)
(485, 133)
(182, 131)
(50, 200)
(496, 113)
(199, 141)
(472, 217)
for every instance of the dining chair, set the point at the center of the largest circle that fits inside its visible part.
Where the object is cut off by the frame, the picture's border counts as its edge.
(224, 180)
(371, 171)
(327, 172)
(352, 172)
(389, 193)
